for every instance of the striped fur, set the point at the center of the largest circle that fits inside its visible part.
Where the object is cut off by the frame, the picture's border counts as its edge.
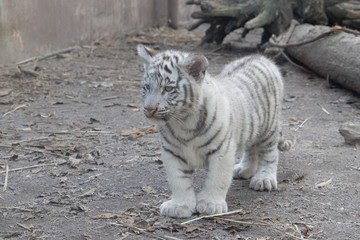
(204, 120)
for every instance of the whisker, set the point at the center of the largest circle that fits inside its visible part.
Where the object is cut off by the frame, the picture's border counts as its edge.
(177, 118)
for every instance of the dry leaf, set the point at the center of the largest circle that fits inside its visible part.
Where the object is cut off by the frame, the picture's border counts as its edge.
(63, 179)
(63, 147)
(4, 92)
(45, 115)
(139, 132)
(60, 161)
(79, 207)
(74, 162)
(191, 228)
(88, 193)
(107, 216)
(324, 184)
(28, 217)
(132, 105)
(149, 190)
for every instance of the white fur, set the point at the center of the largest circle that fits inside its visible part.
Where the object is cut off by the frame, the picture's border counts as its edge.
(235, 120)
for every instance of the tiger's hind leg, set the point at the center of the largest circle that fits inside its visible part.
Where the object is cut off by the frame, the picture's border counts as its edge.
(248, 164)
(265, 177)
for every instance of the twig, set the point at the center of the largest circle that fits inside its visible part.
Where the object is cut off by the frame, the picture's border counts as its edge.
(302, 124)
(348, 30)
(332, 30)
(139, 230)
(110, 98)
(51, 54)
(289, 32)
(30, 140)
(15, 109)
(260, 223)
(58, 132)
(29, 167)
(33, 150)
(30, 72)
(211, 216)
(297, 229)
(18, 208)
(292, 62)
(284, 40)
(172, 238)
(355, 168)
(324, 110)
(6, 177)
(24, 227)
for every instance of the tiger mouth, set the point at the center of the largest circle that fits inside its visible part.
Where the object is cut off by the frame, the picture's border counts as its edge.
(158, 117)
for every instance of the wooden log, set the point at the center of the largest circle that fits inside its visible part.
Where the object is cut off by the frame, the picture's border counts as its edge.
(335, 57)
(345, 14)
(273, 16)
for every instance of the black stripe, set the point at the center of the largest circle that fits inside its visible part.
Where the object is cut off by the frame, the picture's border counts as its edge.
(186, 171)
(210, 124)
(163, 134)
(211, 139)
(272, 92)
(186, 176)
(191, 93)
(268, 137)
(228, 144)
(262, 90)
(185, 95)
(166, 68)
(254, 99)
(202, 117)
(199, 126)
(201, 123)
(173, 133)
(208, 154)
(175, 155)
(220, 145)
(179, 79)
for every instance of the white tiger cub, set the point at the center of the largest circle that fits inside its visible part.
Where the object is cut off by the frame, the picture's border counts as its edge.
(203, 120)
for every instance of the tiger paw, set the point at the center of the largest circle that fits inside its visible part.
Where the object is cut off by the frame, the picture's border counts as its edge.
(175, 209)
(211, 207)
(242, 172)
(262, 183)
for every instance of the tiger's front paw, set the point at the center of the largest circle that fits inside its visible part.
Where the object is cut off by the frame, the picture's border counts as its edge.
(211, 207)
(175, 209)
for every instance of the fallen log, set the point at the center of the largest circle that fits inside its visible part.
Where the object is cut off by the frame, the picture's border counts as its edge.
(335, 56)
(273, 16)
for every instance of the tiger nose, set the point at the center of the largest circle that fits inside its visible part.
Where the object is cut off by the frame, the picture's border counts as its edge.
(151, 111)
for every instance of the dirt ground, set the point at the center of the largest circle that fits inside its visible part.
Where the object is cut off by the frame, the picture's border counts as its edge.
(84, 163)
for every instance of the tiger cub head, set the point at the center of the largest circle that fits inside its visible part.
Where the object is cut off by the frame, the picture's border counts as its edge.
(171, 84)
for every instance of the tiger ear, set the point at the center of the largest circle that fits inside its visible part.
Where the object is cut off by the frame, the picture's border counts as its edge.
(195, 66)
(146, 53)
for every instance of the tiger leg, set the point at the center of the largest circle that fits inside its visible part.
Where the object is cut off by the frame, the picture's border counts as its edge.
(183, 200)
(212, 198)
(265, 177)
(248, 164)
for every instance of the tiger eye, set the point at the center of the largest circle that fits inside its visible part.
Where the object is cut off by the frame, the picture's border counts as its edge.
(169, 89)
(147, 86)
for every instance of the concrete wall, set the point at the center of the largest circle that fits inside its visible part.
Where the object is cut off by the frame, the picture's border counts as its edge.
(34, 27)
